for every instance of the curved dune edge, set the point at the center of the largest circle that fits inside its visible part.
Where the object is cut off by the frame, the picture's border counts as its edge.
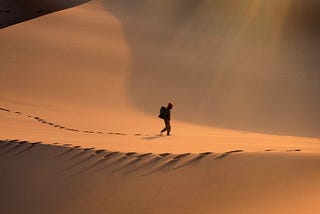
(99, 156)
(38, 128)
(42, 178)
(18, 147)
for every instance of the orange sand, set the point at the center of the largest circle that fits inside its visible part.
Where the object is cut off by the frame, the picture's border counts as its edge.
(88, 81)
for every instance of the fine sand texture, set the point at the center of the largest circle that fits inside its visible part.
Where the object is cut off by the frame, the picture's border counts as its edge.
(81, 87)
(37, 178)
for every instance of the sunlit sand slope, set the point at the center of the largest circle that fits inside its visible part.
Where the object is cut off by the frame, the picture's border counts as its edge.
(71, 73)
(186, 138)
(250, 67)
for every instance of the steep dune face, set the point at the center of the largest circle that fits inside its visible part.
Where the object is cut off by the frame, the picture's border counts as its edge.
(69, 63)
(64, 58)
(245, 65)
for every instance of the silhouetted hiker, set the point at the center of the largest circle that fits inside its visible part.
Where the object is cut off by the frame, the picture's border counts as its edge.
(165, 114)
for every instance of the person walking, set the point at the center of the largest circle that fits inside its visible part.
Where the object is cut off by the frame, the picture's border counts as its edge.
(165, 114)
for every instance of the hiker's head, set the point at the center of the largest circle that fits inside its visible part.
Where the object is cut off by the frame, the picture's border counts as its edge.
(170, 105)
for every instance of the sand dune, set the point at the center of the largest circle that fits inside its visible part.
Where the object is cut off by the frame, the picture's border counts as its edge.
(82, 83)
(240, 70)
(66, 179)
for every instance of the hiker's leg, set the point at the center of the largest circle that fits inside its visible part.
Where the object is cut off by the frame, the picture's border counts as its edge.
(168, 127)
(165, 128)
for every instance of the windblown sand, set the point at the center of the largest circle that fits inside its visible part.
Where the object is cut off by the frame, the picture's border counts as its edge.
(81, 86)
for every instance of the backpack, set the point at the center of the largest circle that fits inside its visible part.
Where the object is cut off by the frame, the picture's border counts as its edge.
(163, 112)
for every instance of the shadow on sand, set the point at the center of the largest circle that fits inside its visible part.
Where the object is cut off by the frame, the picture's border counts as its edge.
(152, 137)
(224, 155)
(16, 11)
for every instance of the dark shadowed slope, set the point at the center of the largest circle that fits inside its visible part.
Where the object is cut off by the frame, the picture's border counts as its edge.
(37, 178)
(245, 65)
(16, 11)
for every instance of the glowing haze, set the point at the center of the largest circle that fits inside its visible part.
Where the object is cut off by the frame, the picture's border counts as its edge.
(247, 65)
